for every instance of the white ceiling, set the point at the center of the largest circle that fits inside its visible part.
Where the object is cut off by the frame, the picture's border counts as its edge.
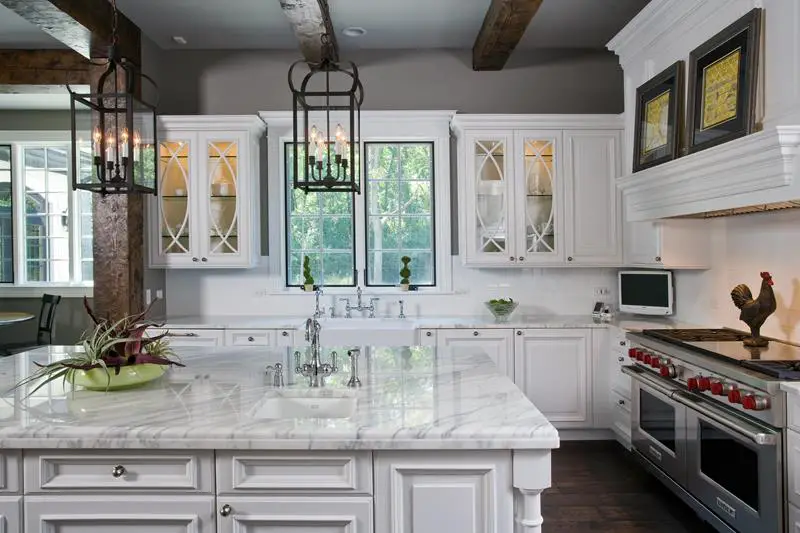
(260, 24)
(18, 33)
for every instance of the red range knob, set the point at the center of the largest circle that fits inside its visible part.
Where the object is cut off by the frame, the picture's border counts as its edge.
(648, 358)
(668, 371)
(692, 384)
(704, 383)
(632, 353)
(656, 362)
(755, 403)
(640, 355)
(735, 396)
(716, 388)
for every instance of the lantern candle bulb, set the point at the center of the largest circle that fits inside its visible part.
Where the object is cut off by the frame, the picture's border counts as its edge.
(123, 142)
(110, 147)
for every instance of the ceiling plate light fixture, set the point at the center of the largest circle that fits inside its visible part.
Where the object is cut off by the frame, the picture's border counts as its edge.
(113, 131)
(329, 95)
(177, 39)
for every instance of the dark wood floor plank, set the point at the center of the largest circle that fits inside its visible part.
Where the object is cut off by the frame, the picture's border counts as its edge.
(598, 488)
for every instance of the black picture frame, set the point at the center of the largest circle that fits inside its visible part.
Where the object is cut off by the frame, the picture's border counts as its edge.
(739, 46)
(656, 143)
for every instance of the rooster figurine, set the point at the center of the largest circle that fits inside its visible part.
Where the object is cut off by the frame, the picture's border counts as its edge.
(755, 311)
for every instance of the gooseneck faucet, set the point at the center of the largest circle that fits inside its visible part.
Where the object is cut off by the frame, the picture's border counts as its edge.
(316, 371)
(317, 311)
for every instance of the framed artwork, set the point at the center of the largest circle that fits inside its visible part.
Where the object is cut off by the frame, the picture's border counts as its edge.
(723, 81)
(659, 109)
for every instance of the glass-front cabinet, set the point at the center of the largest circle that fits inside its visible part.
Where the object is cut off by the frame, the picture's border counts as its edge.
(206, 212)
(538, 190)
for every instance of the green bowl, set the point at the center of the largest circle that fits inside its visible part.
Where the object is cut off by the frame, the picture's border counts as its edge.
(501, 311)
(129, 376)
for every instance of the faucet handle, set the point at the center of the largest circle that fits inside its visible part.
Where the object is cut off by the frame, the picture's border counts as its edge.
(277, 370)
(334, 361)
(298, 365)
(402, 308)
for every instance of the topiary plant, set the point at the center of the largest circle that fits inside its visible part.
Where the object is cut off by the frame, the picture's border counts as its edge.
(405, 272)
(308, 279)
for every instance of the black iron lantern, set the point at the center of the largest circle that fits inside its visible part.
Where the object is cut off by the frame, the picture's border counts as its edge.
(326, 152)
(114, 131)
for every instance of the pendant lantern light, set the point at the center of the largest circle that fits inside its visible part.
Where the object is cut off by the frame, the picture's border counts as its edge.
(114, 131)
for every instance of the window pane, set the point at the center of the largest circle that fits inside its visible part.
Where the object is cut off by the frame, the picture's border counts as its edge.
(84, 205)
(399, 201)
(319, 226)
(6, 222)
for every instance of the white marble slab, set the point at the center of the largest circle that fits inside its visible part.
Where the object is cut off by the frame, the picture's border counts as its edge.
(466, 322)
(412, 398)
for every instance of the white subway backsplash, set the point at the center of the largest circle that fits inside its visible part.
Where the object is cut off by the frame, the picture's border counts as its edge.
(560, 291)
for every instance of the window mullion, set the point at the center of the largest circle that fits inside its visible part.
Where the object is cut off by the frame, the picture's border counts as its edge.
(18, 214)
(360, 227)
(73, 220)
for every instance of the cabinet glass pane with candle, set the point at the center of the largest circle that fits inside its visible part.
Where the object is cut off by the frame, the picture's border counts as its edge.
(222, 198)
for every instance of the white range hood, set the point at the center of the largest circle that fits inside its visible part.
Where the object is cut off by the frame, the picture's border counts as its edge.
(754, 173)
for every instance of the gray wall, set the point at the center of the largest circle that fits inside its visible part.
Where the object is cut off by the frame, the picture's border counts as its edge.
(545, 81)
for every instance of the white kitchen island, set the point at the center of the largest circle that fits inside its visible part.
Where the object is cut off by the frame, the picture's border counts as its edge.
(430, 442)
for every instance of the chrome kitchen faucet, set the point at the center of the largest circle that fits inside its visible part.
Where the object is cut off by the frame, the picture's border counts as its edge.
(316, 371)
(360, 307)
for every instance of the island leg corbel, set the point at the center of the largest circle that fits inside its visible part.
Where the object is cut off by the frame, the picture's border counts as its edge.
(531, 476)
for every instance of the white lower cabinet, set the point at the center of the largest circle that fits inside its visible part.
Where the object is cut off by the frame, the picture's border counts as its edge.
(553, 369)
(296, 513)
(420, 492)
(120, 514)
(498, 343)
(10, 514)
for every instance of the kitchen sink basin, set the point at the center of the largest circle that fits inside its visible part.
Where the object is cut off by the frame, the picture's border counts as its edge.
(362, 323)
(306, 403)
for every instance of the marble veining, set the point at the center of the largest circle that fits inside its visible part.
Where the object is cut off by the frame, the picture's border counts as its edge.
(412, 398)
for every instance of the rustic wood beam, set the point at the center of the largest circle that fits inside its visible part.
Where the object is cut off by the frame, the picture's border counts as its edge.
(503, 27)
(83, 25)
(43, 71)
(310, 19)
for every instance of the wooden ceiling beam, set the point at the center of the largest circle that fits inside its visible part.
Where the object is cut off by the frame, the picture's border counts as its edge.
(310, 20)
(82, 25)
(502, 29)
(43, 71)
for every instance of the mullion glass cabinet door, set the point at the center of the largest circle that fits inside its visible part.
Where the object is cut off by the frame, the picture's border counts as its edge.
(175, 193)
(222, 197)
(490, 236)
(538, 192)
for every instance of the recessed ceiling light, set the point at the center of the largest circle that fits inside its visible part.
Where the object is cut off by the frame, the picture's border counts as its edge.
(354, 31)
(177, 39)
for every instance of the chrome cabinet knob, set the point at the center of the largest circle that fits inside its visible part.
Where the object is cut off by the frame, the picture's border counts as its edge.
(118, 471)
(429, 334)
(225, 510)
(195, 259)
(519, 332)
(512, 258)
(285, 333)
(475, 333)
(569, 258)
(250, 339)
(521, 258)
(204, 259)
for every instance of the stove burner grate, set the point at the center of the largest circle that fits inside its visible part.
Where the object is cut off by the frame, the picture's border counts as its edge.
(697, 335)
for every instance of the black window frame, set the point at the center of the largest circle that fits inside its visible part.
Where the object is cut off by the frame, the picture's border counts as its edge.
(288, 147)
(432, 145)
(11, 212)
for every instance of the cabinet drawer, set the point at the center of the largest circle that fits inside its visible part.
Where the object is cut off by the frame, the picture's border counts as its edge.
(10, 471)
(427, 337)
(621, 419)
(284, 337)
(191, 337)
(284, 514)
(247, 473)
(76, 471)
(249, 337)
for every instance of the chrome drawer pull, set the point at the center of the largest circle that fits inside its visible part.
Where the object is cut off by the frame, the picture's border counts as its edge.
(118, 471)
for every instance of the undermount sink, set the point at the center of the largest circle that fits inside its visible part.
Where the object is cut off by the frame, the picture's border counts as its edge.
(306, 403)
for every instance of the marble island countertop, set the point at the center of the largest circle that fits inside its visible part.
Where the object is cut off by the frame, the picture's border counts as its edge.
(411, 398)
(467, 322)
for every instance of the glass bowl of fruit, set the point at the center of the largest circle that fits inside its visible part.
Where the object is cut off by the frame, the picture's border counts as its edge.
(501, 308)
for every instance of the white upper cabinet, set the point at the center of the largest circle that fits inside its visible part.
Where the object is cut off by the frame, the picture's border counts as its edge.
(539, 190)
(592, 203)
(676, 244)
(206, 213)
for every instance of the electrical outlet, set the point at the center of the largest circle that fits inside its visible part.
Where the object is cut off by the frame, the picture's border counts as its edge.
(147, 298)
(159, 294)
(599, 292)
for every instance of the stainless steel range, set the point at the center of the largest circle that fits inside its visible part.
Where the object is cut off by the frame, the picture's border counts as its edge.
(708, 419)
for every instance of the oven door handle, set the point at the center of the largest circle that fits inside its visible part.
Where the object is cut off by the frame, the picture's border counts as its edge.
(639, 374)
(753, 433)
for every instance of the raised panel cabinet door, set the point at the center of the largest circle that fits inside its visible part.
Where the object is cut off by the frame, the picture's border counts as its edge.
(538, 197)
(488, 183)
(296, 514)
(120, 514)
(225, 219)
(498, 344)
(642, 243)
(553, 369)
(592, 202)
(10, 514)
(430, 492)
(174, 230)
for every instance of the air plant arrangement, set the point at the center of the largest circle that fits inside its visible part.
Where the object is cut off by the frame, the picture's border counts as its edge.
(109, 347)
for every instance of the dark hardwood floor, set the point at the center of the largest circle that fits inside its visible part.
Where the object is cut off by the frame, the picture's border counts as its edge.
(598, 487)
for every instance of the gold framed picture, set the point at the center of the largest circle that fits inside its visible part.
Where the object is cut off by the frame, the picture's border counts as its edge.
(659, 107)
(723, 79)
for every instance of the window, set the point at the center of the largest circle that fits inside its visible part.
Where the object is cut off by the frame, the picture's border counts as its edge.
(45, 226)
(394, 217)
